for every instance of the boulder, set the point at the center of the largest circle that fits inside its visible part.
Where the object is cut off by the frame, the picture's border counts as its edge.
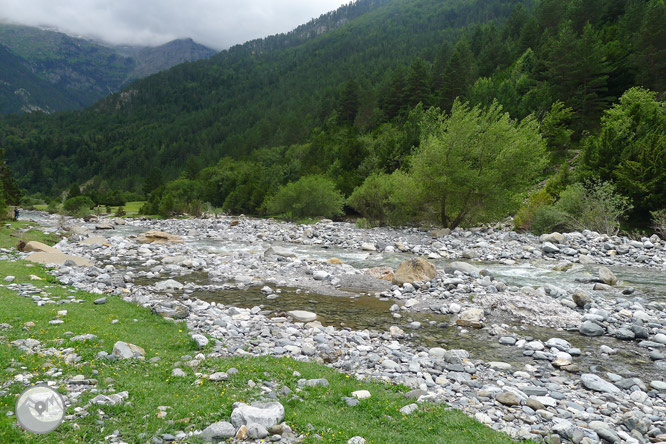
(174, 310)
(158, 237)
(168, 285)
(57, 258)
(591, 328)
(607, 277)
(595, 383)
(38, 246)
(471, 318)
(462, 267)
(555, 238)
(125, 350)
(302, 315)
(581, 299)
(279, 251)
(266, 414)
(413, 270)
(104, 226)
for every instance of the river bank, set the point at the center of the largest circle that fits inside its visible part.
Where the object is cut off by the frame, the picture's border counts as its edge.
(542, 302)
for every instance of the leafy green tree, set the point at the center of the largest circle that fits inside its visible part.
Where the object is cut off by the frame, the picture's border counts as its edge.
(310, 196)
(631, 150)
(78, 206)
(392, 199)
(468, 166)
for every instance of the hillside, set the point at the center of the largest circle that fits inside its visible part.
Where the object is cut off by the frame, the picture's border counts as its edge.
(338, 98)
(263, 93)
(21, 89)
(85, 71)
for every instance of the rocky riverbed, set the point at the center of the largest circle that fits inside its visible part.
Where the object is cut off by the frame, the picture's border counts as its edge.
(533, 336)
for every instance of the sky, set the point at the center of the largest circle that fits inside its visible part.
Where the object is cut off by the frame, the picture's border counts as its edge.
(218, 24)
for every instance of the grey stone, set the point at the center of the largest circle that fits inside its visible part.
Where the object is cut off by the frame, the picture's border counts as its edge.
(124, 350)
(100, 301)
(581, 299)
(218, 431)
(256, 431)
(590, 328)
(606, 276)
(200, 340)
(302, 316)
(266, 414)
(595, 383)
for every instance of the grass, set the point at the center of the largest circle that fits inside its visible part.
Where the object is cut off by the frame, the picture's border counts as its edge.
(12, 232)
(319, 413)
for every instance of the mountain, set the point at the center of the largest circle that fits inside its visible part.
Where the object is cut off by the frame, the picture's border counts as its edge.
(85, 71)
(21, 89)
(339, 96)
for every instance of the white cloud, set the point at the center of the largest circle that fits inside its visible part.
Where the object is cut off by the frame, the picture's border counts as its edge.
(215, 23)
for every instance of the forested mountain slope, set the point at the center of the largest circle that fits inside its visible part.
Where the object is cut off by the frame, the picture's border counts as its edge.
(263, 93)
(81, 70)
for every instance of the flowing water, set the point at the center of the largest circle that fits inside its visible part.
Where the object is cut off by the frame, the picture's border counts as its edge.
(369, 312)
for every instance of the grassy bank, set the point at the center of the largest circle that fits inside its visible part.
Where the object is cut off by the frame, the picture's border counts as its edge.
(189, 402)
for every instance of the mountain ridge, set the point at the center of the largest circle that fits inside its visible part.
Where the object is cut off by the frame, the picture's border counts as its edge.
(85, 70)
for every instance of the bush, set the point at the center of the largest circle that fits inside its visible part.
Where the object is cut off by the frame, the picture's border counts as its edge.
(310, 196)
(594, 206)
(526, 215)
(120, 212)
(659, 222)
(387, 199)
(78, 206)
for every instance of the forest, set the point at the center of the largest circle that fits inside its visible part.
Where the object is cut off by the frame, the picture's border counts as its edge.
(403, 112)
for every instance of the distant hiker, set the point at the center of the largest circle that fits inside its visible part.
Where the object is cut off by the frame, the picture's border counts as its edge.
(16, 213)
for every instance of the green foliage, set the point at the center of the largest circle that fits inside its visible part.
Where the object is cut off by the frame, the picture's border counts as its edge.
(310, 196)
(78, 206)
(594, 206)
(120, 212)
(391, 199)
(467, 168)
(74, 191)
(526, 215)
(659, 222)
(631, 150)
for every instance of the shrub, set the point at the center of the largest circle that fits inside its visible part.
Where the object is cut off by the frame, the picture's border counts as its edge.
(78, 206)
(387, 199)
(659, 222)
(310, 196)
(548, 219)
(120, 212)
(595, 207)
(526, 215)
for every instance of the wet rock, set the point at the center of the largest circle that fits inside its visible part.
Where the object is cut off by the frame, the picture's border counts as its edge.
(554, 238)
(590, 328)
(58, 258)
(169, 285)
(606, 276)
(414, 270)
